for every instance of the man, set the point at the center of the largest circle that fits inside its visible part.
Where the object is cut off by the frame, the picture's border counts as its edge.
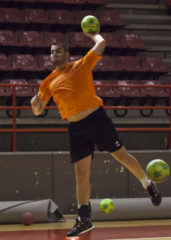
(71, 86)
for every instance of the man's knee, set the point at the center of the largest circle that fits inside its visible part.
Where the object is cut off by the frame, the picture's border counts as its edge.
(82, 167)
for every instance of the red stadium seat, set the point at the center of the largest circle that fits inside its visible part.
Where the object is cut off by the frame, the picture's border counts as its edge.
(78, 39)
(30, 39)
(106, 64)
(112, 40)
(24, 91)
(152, 91)
(61, 16)
(131, 41)
(128, 64)
(97, 2)
(25, 1)
(168, 4)
(79, 15)
(11, 15)
(45, 63)
(151, 94)
(35, 88)
(2, 92)
(110, 17)
(105, 91)
(36, 16)
(4, 64)
(24, 62)
(51, 38)
(50, 1)
(153, 64)
(7, 38)
(74, 1)
(127, 91)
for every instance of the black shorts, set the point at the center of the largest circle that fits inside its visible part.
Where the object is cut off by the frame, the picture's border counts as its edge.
(96, 129)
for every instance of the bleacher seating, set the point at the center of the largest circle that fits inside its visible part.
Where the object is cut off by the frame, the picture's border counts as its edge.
(25, 0)
(154, 66)
(53, 37)
(35, 88)
(60, 16)
(24, 91)
(112, 40)
(168, 4)
(106, 64)
(151, 96)
(38, 26)
(11, 15)
(35, 15)
(50, 1)
(30, 39)
(126, 90)
(98, 2)
(24, 62)
(110, 17)
(74, 1)
(4, 63)
(45, 63)
(152, 91)
(7, 38)
(103, 91)
(129, 65)
(125, 95)
(78, 15)
(2, 92)
(131, 42)
(78, 39)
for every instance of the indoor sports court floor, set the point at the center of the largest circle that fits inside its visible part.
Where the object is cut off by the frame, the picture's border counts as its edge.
(125, 230)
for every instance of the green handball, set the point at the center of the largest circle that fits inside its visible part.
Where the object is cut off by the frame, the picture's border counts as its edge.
(106, 205)
(90, 24)
(157, 170)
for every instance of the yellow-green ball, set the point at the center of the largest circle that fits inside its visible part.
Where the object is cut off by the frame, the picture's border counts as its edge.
(90, 24)
(157, 170)
(106, 205)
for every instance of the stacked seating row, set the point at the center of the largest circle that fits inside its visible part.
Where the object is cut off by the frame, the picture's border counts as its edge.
(57, 16)
(121, 88)
(8, 38)
(128, 64)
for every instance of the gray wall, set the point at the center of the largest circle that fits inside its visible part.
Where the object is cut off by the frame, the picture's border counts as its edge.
(41, 175)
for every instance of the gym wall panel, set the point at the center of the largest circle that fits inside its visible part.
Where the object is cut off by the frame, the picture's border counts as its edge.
(25, 176)
(108, 177)
(50, 175)
(64, 182)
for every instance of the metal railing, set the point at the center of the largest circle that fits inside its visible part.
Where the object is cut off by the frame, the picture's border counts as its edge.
(14, 130)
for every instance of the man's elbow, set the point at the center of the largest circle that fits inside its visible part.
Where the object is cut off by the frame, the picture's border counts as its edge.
(104, 44)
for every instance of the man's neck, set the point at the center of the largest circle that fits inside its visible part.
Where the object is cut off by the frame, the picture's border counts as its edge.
(62, 66)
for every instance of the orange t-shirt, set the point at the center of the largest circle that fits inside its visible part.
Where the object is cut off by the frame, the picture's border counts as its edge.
(72, 87)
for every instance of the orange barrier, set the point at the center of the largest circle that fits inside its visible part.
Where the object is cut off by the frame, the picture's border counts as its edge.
(13, 107)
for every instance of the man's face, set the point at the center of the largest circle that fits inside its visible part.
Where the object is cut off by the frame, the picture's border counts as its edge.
(58, 55)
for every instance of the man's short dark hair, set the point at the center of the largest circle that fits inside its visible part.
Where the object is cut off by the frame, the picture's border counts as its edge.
(64, 45)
